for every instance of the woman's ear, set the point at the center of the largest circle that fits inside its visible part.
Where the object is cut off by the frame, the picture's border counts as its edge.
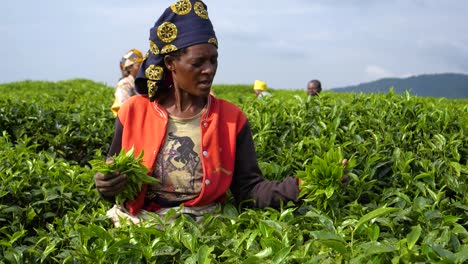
(169, 62)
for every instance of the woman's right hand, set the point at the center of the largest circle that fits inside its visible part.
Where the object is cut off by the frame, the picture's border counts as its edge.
(111, 184)
(345, 178)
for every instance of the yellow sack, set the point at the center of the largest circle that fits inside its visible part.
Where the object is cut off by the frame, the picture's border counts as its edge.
(115, 107)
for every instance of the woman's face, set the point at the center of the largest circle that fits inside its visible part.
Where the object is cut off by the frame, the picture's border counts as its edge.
(133, 70)
(195, 69)
(312, 88)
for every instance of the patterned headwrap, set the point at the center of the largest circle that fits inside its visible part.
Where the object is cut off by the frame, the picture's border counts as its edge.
(183, 24)
(132, 56)
(121, 64)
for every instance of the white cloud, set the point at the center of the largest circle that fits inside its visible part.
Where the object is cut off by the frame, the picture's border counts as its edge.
(407, 75)
(377, 72)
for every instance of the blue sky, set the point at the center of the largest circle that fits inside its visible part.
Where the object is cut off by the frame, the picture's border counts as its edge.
(284, 43)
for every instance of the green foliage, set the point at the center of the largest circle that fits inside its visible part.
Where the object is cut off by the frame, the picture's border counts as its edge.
(323, 179)
(406, 200)
(69, 118)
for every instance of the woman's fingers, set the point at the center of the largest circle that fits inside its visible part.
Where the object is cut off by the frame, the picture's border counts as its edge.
(108, 177)
(111, 181)
(344, 162)
(345, 178)
(110, 184)
(112, 190)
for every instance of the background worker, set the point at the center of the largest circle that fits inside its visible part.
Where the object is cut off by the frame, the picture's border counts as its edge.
(129, 65)
(260, 89)
(314, 87)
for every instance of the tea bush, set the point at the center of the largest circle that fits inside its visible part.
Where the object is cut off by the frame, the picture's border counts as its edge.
(405, 201)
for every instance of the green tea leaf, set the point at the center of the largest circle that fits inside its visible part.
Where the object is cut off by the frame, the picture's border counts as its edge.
(264, 253)
(204, 254)
(374, 214)
(413, 236)
(336, 245)
(281, 255)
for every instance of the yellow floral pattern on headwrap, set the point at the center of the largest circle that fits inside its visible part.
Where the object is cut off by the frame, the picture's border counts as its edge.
(154, 48)
(213, 41)
(181, 7)
(200, 10)
(152, 88)
(167, 32)
(146, 55)
(154, 72)
(168, 49)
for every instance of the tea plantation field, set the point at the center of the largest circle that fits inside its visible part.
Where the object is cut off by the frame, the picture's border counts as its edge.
(406, 200)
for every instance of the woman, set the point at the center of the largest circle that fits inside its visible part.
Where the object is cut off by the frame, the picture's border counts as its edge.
(198, 146)
(129, 65)
(260, 89)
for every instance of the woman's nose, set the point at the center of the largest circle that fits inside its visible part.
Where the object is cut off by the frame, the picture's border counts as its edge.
(209, 68)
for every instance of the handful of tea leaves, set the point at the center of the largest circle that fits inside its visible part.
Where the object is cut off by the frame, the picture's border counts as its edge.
(126, 163)
(324, 176)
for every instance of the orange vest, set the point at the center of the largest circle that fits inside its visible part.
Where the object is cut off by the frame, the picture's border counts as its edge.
(144, 128)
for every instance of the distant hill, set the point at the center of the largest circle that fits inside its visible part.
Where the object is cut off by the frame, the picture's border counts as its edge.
(449, 85)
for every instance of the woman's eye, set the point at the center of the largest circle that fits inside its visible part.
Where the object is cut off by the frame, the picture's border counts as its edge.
(197, 64)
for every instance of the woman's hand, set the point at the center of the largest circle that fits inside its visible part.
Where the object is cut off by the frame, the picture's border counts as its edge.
(345, 178)
(111, 184)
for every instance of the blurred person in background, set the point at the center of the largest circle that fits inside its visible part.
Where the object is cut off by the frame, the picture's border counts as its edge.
(260, 89)
(314, 87)
(129, 65)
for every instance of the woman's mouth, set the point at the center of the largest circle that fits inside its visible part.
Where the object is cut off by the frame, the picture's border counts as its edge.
(205, 84)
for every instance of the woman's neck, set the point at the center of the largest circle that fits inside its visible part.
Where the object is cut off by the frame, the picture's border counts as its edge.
(182, 104)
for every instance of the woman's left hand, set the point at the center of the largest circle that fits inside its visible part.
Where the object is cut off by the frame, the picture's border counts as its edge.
(345, 178)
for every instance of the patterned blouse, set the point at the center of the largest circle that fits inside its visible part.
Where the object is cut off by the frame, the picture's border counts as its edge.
(124, 90)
